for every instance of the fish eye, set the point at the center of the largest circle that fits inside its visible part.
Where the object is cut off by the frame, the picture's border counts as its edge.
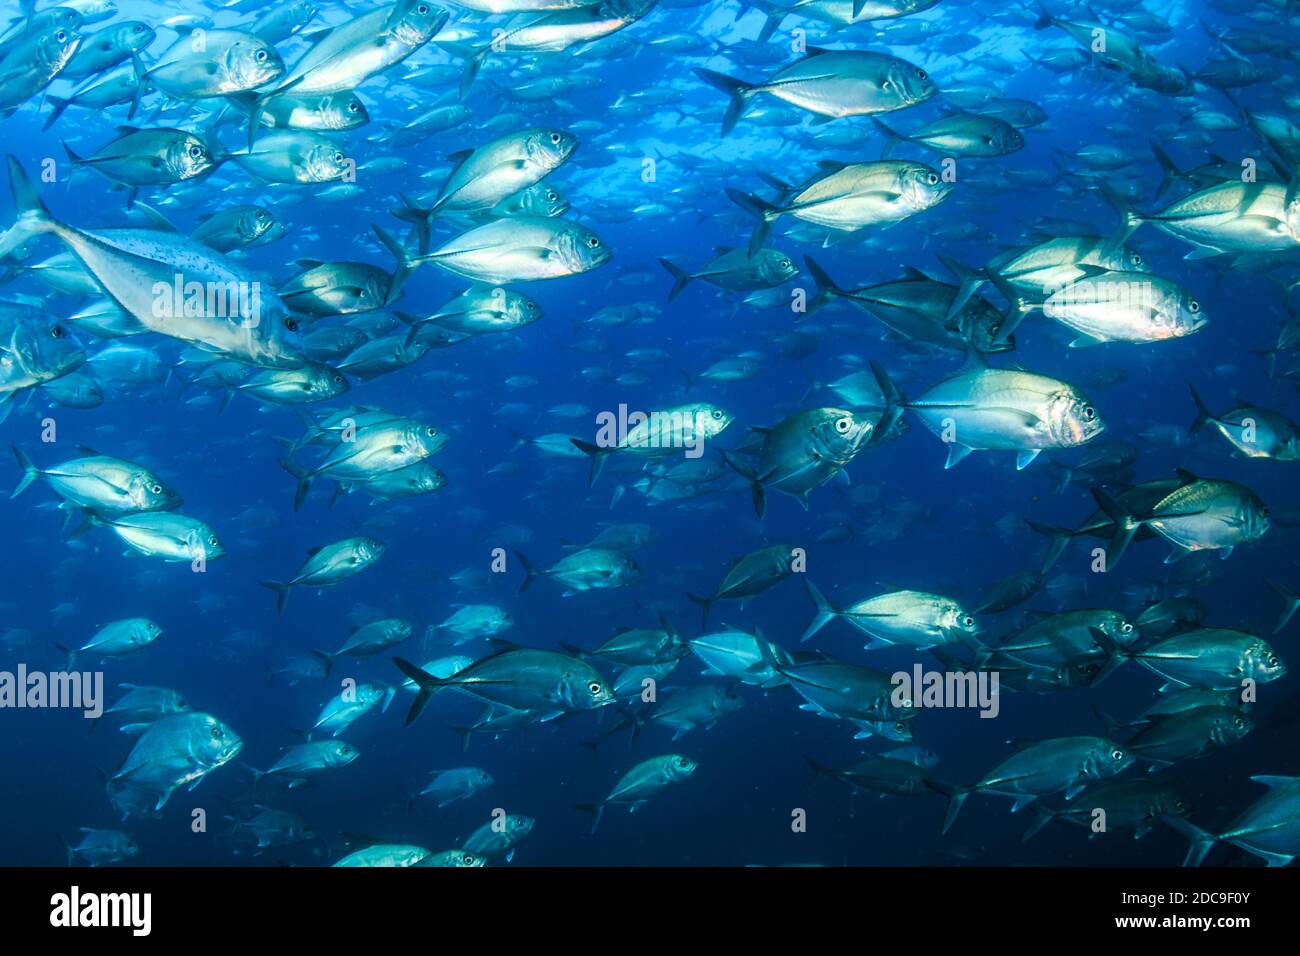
(555, 138)
(552, 195)
(842, 425)
(968, 621)
(922, 75)
(717, 414)
(291, 325)
(431, 431)
(1089, 413)
(1137, 259)
(353, 106)
(345, 749)
(196, 151)
(57, 331)
(212, 540)
(1239, 723)
(261, 215)
(683, 762)
(61, 36)
(338, 379)
(1126, 628)
(1117, 754)
(156, 489)
(467, 860)
(593, 242)
(1193, 307)
(338, 157)
(261, 56)
(422, 9)
(887, 86)
(217, 733)
(594, 688)
(932, 179)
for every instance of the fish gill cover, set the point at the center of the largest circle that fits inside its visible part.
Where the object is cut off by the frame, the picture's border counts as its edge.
(450, 426)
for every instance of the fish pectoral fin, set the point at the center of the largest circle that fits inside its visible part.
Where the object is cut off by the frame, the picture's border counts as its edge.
(1025, 458)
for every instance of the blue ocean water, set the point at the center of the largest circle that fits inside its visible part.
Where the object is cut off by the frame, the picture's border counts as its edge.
(899, 519)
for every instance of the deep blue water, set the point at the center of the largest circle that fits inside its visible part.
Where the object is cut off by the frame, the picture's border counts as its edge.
(917, 525)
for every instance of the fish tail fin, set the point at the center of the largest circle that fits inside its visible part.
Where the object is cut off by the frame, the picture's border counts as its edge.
(827, 289)
(680, 278)
(425, 681)
(764, 214)
(595, 809)
(1113, 726)
(1172, 174)
(30, 471)
(1017, 305)
(1115, 655)
(32, 216)
(1045, 19)
(1129, 219)
(1290, 603)
(417, 216)
(820, 771)
(529, 571)
(281, 590)
(1126, 525)
(464, 733)
(705, 604)
(597, 455)
(1064, 475)
(472, 66)
(968, 283)
(956, 798)
(895, 402)
(756, 490)
(300, 476)
(1201, 840)
(60, 104)
(1057, 539)
(324, 658)
(739, 91)
(405, 263)
(892, 137)
(825, 613)
(1203, 414)
(1042, 817)
(72, 655)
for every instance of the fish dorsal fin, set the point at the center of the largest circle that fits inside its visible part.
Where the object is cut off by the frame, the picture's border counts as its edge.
(87, 451)
(1186, 476)
(500, 644)
(911, 272)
